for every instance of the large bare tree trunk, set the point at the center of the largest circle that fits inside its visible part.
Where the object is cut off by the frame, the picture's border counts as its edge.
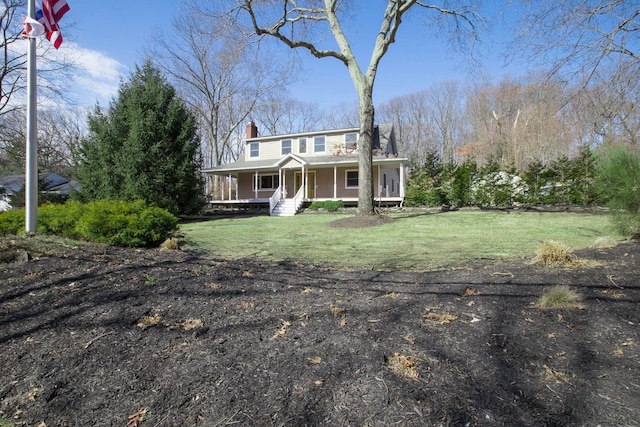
(365, 152)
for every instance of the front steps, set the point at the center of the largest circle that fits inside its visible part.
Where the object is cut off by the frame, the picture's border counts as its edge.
(286, 207)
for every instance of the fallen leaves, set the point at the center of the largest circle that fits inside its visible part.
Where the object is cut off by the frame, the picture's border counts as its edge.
(139, 416)
(189, 324)
(148, 321)
(32, 394)
(441, 318)
(282, 332)
(337, 311)
(613, 293)
(468, 292)
(557, 376)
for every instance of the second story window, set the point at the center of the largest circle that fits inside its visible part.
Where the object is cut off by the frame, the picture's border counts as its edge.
(254, 149)
(285, 146)
(318, 144)
(351, 141)
(302, 145)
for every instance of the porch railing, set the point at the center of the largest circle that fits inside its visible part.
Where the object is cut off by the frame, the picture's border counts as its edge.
(275, 199)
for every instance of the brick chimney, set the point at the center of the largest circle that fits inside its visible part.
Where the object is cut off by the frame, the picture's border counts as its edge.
(252, 130)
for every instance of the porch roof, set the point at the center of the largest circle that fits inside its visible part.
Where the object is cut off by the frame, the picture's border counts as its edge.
(243, 165)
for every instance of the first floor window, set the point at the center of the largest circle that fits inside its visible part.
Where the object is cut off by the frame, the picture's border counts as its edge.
(352, 179)
(268, 182)
(254, 149)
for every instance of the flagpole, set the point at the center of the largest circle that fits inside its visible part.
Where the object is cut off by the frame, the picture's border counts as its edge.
(31, 175)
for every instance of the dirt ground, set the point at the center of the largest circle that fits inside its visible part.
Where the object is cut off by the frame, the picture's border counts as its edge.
(103, 336)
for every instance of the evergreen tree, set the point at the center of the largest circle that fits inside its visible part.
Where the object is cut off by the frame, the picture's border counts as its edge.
(144, 147)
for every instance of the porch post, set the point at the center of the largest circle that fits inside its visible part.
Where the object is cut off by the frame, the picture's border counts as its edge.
(280, 184)
(335, 182)
(283, 183)
(237, 185)
(379, 192)
(255, 192)
(305, 178)
(230, 181)
(402, 180)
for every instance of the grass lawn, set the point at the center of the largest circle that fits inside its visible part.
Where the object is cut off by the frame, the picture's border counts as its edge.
(417, 241)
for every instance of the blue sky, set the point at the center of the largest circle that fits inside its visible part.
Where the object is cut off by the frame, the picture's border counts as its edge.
(109, 37)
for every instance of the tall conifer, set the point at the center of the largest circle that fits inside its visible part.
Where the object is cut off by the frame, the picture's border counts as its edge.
(144, 147)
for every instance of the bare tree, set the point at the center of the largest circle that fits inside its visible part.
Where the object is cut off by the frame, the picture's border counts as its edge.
(446, 103)
(59, 133)
(607, 110)
(578, 37)
(53, 69)
(518, 121)
(13, 62)
(428, 121)
(221, 75)
(411, 117)
(280, 114)
(301, 24)
(341, 116)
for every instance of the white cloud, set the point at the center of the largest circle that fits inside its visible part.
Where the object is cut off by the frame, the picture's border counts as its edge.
(98, 75)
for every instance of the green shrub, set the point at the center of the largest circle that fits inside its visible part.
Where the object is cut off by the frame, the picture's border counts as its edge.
(618, 185)
(459, 191)
(105, 221)
(12, 222)
(328, 205)
(125, 223)
(429, 196)
(60, 220)
(333, 205)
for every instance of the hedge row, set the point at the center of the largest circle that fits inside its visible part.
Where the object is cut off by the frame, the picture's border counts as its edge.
(563, 181)
(105, 221)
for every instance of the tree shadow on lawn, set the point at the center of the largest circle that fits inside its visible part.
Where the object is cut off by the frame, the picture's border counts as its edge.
(90, 337)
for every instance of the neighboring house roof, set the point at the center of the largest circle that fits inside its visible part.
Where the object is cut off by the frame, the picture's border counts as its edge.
(11, 184)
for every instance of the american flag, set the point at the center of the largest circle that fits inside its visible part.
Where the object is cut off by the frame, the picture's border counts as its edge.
(51, 13)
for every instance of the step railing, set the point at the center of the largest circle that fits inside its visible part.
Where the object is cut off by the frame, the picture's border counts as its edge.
(275, 199)
(297, 199)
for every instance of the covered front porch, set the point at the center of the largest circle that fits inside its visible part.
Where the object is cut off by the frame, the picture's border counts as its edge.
(285, 186)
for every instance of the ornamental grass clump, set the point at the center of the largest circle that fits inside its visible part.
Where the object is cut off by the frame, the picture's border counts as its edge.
(554, 254)
(560, 296)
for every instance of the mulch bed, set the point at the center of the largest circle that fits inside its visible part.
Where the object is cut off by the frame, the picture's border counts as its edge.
(103, 336)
